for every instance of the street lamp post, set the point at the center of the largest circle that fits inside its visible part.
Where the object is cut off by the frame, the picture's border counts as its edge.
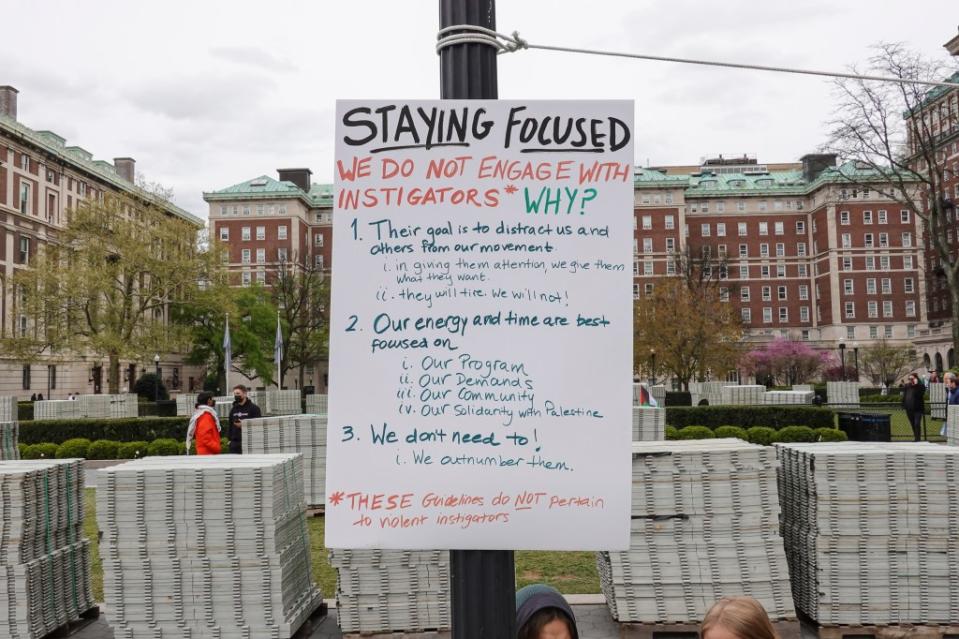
(842, 359)
(156, 378)
(652, 372)
(855, 354)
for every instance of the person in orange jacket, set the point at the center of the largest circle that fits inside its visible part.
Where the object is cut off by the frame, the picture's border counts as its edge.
(204, 426)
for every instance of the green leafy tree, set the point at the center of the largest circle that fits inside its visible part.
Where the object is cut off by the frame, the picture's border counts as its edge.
(301, 291)
(105, 286)
(252, 328)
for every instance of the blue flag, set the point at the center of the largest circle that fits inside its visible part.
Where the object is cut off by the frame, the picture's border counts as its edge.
(278, 343)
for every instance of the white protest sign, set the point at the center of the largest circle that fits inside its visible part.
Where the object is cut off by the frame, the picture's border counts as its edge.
(481, 333)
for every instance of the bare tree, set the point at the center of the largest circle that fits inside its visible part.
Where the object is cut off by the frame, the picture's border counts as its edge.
(890, 136)
(886, 363)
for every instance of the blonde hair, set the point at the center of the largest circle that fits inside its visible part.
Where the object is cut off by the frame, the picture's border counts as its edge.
(742, 616)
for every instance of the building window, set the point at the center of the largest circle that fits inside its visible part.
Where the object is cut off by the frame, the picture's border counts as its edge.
(224, 233)
(764, 271)
(844, 218)
(245, 234)
(883, 216)
(281, 232)
(883, 240)
(848, 287)
(846, 240)
(647, 268)
(648, 289)
(743, 272)
(670, 222)
(636, 291)
(780, 249)
(887, 331)
(908, 285)
(26, 377)
(764, 228)
(767, 293)
(741, 226)
(635, 246)
(911, 330)
(767, 315)
(803, 270)
(668, 198)
(723, 294)
(720, 230)
(24, 198)
(904, 216)
(873, 332)
(743, 250)
(780, 270)
(867, 240)
(803, 292)
(670, 244)
(763, 250)
(281, 255)
(872, 309)
(887, 308)
(801, 249)
(246, 210)
(783, 314)
(910, 309)
(720, 207)
(805, 333)
(744, 294)
(740, 206)
(867, 217)
(260, 255)
(746, 314)
(647, 222)
(261, 232)
(778, 228)
(871, 286)
(850, 310)
(670, 267)
(647, 245)
(781, 291)
(261, 276)
(907, 262)
(704, 229)
(800, 228)
(886, 286)
(907, 239)
(884, 262)
(804, 317)
(245, 256)
(870, 263)
(246, 278)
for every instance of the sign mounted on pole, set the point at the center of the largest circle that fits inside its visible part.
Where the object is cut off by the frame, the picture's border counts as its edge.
(481, 334)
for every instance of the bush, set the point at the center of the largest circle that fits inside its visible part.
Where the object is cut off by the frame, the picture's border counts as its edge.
(695, 432)
(224, 445)
(150, 388)
(164, 447)
(132, 450)
(880, 399)
(23, 449)
(127, 429)
(670, 433)
(24, 411)
(74, 448)
(730, 431)
(748, 416)
(830, 435)
(678, 398)
(103, 449)
(796, 434)
(761, 435)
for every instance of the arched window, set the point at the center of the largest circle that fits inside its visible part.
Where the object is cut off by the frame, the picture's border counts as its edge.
(951, 357)
(939, 366)
(926, 362)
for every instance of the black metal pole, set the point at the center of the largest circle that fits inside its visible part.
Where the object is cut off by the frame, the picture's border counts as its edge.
(482, 582)
(855, 353)
(842, 361)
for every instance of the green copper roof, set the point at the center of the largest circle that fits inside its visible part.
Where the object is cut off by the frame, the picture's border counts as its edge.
(80, 159)
(265, 187)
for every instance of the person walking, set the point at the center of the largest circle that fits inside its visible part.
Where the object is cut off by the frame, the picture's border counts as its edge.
(242, 409)
(737, 618)
(204, 426)
(913, 400)
(543, 613)
(952, 388)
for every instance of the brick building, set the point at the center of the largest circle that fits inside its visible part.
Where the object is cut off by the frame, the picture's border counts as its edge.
(268, 224)
(806, 256)
(41, 179)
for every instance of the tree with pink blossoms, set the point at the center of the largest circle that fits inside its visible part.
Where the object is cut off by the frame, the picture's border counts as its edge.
(785, 361)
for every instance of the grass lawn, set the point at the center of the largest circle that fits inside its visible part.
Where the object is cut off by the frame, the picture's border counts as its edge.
(569, 572)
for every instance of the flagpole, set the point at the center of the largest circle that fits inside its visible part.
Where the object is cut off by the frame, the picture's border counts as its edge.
(278, 351)
(227, 356)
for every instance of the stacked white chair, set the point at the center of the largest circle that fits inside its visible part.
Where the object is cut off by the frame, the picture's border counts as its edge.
(304, 434)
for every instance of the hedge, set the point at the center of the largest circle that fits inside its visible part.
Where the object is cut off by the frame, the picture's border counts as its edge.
(131, 429)
(761, 435)
(678, 398)
(831, 435)
(696, 432)
(801, 434)
(724, 432)
(103, 449)
(775, 417)
(132, 450)
(74, 449)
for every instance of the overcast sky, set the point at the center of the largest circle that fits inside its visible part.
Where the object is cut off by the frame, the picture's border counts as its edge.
(205, 94)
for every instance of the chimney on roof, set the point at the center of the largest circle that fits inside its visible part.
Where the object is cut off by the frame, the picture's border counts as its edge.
(953, 46)
(299, 177)
(815, 163)
(8, 101)
(126, 168)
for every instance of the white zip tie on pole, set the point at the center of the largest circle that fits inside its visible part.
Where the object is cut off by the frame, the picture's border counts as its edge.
(472, 34)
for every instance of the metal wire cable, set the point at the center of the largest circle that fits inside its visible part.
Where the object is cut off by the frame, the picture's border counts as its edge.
(466, 33)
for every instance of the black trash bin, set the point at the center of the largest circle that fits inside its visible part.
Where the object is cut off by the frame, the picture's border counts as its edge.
(850, 423)
(875, 427)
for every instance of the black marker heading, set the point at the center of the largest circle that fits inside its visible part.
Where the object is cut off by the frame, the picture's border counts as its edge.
(399, 127)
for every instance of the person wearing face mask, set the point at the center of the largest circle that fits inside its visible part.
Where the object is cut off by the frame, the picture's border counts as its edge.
(543, 613)
(242, 409)
(914, 403)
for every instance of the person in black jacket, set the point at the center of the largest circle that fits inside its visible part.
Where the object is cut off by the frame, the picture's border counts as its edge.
(242, 409)
(913, 400)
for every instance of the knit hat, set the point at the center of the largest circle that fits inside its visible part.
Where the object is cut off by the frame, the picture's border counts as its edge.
(532, 599)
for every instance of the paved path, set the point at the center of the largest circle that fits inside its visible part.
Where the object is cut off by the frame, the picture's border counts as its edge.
(593, 622)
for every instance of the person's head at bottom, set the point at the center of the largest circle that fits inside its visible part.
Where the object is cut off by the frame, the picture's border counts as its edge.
(543, 613)
(737, 618)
